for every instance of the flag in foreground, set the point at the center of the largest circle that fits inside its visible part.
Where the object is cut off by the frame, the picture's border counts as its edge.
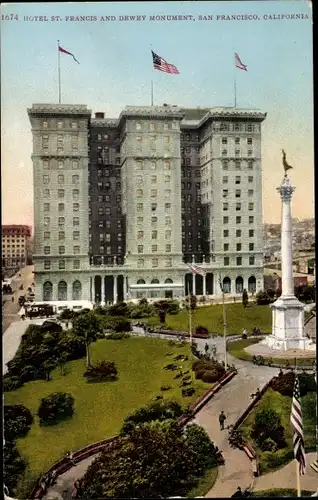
(239, 64)
(197, 270)
(296, 419)
(69, 53)
(161, 65)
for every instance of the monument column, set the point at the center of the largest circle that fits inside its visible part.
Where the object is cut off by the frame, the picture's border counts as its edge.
(286, 190)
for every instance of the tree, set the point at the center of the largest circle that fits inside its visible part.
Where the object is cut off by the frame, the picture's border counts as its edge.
(159, 410)
(271, 293)
(67, 315)
(87, 326)
(17, 421)
(61, 361)
(55, 407)
(245, 298)
(105, 370)
(262, 298)
(119, 309)
(154, 461)
(162, 308)
(14, 465)
(202, 446)
(267, 424)
(48, 366)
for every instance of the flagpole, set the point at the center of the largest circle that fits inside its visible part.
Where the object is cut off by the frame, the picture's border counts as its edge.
(59, 69)
(296, 461)
(224, 322)
(190, 313)
(234, 82)
(151, 92)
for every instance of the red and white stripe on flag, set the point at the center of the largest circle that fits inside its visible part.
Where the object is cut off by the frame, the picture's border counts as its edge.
(238, 63)
(197, 270)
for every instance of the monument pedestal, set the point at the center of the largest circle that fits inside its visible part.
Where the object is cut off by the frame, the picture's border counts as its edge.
(288, 325)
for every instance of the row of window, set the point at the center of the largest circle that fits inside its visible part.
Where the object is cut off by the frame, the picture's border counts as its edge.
(61, 235)
(107, 185)
(238, 232)
(189, 150)
(251, 261)
(61, 179)
(237, 152)
(190, 222)
(61, 207)
(105, 198)
(61, 221)
(105, 211)
(153, 179)
(109, 249)
(235, 127)
(141, 165)
(237, 179)
(60, 124)
(249, 140)
(154, 248)
(61, 193)
(106, 172)
(107, 237)
(61, 264)
(188, 172)
(47, 164)
(226, 247)
(106, 223)
(153, 193)
(189, 248)
(156, 126)
(155, 262)
(187, 161)
(237, 164)
(238, 206)
(61, 250)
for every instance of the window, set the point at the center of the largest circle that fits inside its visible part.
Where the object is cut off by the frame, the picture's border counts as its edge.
(59, 124)
(225, 233)
(165, 126)
(250, 192)
(140, 248)
(237, 152)
(168, 220)
(140, 235)
(47, 250)
(100, 210)
(250, 178)
(44, 124)
(107, 211)
(224, 152)
(251, 260)
(238, 261)
(60, 193)
(224, 140)
(61, 207)
(251, 219)
(46, 179)
(75, 179)
(74, 141)
(154, 220)
(168, 262)
(76, 264)
(154, 248)
(46, 207)
(138, 126)
(139, 193)
(249, 152)
(168, 248)
(237, 140)
(251, 233)
(45, 164)
(236, 127)
(238, 207)
(167, 179)
(238, 247)
(251, 206)
(46, 221)
(226, 247)
(154, 235)
(108, 250)
(153, 193)
(152, 127)
(153, 207)
(249, 140)
(226, 261)
(140, 262)
(167, 207)
(61, 264)
(140, 220)
(74, 164)
(75, 221)
(237, 165)
(238, 220)
(47, 235)
(167, 141)
(250, 165)
(74, 125)
(61, 250)
(166, 164)
(153, 142)
(61, 221)
(60, 179)
(167, 193)
(61, 235)
(225, 206)
(153, 179)
(237, 193)
(47, 264)
(46, 193)
(237, 180)
(225, 220)
(154, 262)
(238, 233)
(76, 249)
(153, 165)
(167, 234)
(251, 247)
(140, 207)
(225, 179)
(225, 164)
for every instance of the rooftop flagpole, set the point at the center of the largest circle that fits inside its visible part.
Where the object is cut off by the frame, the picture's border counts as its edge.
(151, 92)
(234, 82)
(59, 69)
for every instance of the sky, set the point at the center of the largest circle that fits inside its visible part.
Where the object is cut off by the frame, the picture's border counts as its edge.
(116, 70)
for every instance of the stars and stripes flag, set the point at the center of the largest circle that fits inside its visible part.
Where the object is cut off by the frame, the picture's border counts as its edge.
(67, 52)
(197, 270)
(238, 63)
(161, 65)
(296, 419)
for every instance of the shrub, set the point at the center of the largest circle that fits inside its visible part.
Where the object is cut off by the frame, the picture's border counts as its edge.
(17, 421)
(236, 439)
(199, 441)
(269, 445)
(119, 309)
(245, 298)
(105, 370)
(121, 325)
(267, 424)
(262, 298)
(117, 336)
(174, 307)
(210, 369)
(14, 465)
(55, 407)
(210, 376)
(284, 384)
(51, 326)
(155, 411)
(188, 391)
(11, 382)
(201, 330)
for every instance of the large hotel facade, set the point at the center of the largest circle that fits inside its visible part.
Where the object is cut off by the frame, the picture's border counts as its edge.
(123, 205)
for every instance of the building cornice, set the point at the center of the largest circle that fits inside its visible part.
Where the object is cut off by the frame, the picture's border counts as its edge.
(59, 109)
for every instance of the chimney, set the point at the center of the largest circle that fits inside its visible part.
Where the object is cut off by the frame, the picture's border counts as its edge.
(100, 114)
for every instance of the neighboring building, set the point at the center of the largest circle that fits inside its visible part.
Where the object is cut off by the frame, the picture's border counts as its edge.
(15, 245)
(122, 205)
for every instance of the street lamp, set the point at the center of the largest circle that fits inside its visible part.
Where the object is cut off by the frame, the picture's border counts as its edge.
(224, 321)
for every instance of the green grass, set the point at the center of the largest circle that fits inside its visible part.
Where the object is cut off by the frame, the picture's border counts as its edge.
(236, 348)
(282, 405)
(205, 484)
(100, 408)
(280, 492)
(211, 317)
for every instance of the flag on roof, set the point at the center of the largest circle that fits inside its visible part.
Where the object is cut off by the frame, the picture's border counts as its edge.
(197, 270)
(161, 65)
(69, 53)
(238, 63)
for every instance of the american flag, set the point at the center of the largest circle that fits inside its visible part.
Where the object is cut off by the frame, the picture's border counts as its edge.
(161, 65)
(238, 63)
(67, 52)
(296, 419)
(197, 270)
(220, 283)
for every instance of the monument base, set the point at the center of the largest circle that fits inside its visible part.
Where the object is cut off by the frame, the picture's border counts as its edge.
(288, 326)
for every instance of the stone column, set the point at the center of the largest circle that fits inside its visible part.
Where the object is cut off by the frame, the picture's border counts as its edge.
(193, 284)
(204, 284)
(286, 190)
(115, 290)
(102, 292)
(125, 287)
(93, 289)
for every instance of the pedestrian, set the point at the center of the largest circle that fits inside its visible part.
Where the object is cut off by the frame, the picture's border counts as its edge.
(12, 299)
(280, 373)
(238, 492)
(214, 350)
(222, 419)
(206, 348)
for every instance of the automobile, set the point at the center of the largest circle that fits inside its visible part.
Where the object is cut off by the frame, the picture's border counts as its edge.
(21, 300)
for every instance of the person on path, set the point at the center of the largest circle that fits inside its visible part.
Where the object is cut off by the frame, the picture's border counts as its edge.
(238, 492)
(206, 348)
(222, 419)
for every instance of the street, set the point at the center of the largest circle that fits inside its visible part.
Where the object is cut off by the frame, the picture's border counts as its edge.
(10, 309)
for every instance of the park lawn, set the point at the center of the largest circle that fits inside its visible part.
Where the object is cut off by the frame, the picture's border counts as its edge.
(205, 484)
(211, 317)
(282, 405)
(100, 408)
(236, 348)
